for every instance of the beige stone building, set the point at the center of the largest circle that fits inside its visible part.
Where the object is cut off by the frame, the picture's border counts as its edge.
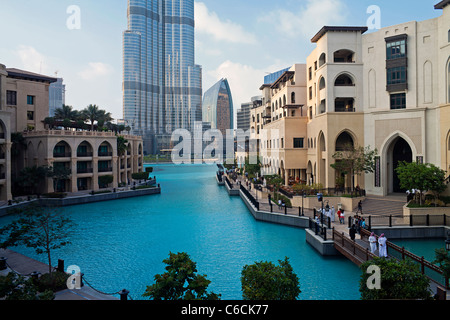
(24, 104)
(406, 96)
(88, 154)
(335, 104)
(280, 127)
(387, 89)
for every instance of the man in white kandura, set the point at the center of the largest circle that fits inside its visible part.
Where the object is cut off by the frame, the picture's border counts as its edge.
(373, 242)
(382, 249)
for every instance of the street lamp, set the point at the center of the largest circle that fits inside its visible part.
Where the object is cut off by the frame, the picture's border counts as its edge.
(447, 242)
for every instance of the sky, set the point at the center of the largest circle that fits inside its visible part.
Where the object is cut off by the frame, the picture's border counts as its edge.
(240, 40)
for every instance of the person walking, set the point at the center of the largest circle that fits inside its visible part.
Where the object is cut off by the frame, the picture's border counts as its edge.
(359, 207)
(269, 197)
(332, 213)
(352, 232)
(382, 249)
(342, 218)
(373, 243)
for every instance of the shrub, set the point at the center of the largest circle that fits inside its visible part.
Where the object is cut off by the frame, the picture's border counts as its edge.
(55, 195)
(55, 281)
(140, 176)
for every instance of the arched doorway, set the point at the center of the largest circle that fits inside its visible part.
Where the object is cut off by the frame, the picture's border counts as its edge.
(399, 151)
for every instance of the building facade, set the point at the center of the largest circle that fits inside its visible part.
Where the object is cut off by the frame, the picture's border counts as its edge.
(24, 104)
(388, 90)
(406, 97)
(218, 107)
(162, 85)
(335, 102)
(57, 96)
(243, 116)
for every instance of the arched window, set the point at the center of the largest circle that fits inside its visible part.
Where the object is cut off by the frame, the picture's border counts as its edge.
(322, 59)
(344, 80)
(284, 100)
(448, 81)
(322, 84)
(344, 56)
(293, 97)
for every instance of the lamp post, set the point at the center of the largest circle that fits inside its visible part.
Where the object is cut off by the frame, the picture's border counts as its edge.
(447, 242)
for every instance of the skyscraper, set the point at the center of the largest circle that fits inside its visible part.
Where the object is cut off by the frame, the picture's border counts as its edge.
(218, 106)
(162, 85)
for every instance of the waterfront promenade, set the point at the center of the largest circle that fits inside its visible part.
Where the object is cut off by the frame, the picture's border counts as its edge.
(335, 237)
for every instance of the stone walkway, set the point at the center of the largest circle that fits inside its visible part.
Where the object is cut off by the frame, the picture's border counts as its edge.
(25, 266)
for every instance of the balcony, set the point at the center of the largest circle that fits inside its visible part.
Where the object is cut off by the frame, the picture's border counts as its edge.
(62, 154)
(105, 154)
(84, 154)
(85, 170)
(344, 105)
(109, 169)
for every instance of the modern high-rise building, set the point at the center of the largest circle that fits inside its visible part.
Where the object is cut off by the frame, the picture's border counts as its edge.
(218, 106)
(57, 96)
(162, 85)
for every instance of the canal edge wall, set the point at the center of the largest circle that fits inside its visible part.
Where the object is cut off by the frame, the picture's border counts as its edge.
(83, 199)
(325, 248)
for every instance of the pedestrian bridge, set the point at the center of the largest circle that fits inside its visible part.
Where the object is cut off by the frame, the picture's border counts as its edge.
(358, 251)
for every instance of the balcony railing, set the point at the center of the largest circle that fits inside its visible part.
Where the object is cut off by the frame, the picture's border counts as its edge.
(105, 169)
(344, 109)
(85, 170)
(84, 154)
(62, 154)
(105, 154)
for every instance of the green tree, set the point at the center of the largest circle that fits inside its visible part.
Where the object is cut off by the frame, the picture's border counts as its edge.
(16, 287)
(180, 282)
(399, 280)
(29, 180)
(43, 229)
(266, 281)
(105, 181)
(276, 181)
(443, 259)
(421, 176)
(91, 113)
(354, 160)
(58, 173)
(66, 112)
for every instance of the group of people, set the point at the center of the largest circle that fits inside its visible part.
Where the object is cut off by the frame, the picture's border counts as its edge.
(382, 244)
(331, 213)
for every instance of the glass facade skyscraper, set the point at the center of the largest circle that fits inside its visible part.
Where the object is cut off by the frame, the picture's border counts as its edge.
(162, 85)
(218, 106)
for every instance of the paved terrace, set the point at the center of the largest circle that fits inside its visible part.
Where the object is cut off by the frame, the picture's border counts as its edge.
(24, 266)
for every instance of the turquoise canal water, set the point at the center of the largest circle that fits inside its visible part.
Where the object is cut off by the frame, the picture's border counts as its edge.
(122, 243)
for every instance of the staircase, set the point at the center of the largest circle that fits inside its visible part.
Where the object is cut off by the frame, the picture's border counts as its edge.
(389, 205)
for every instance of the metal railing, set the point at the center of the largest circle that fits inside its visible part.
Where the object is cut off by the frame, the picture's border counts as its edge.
(432, 271)
(411, 220)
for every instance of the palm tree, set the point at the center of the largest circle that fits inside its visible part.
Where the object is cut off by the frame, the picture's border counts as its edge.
(122, 146)
(91, 113)
(103, 117)
(66, 112)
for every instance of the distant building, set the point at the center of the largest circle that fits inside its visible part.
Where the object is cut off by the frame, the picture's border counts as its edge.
(218, 106)
(243, 116)
(24, 104)
(57, 96)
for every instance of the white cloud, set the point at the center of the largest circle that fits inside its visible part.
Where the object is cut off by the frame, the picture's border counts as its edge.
(207, 22)
(95, 70)
(32, 60)
(306, 21)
